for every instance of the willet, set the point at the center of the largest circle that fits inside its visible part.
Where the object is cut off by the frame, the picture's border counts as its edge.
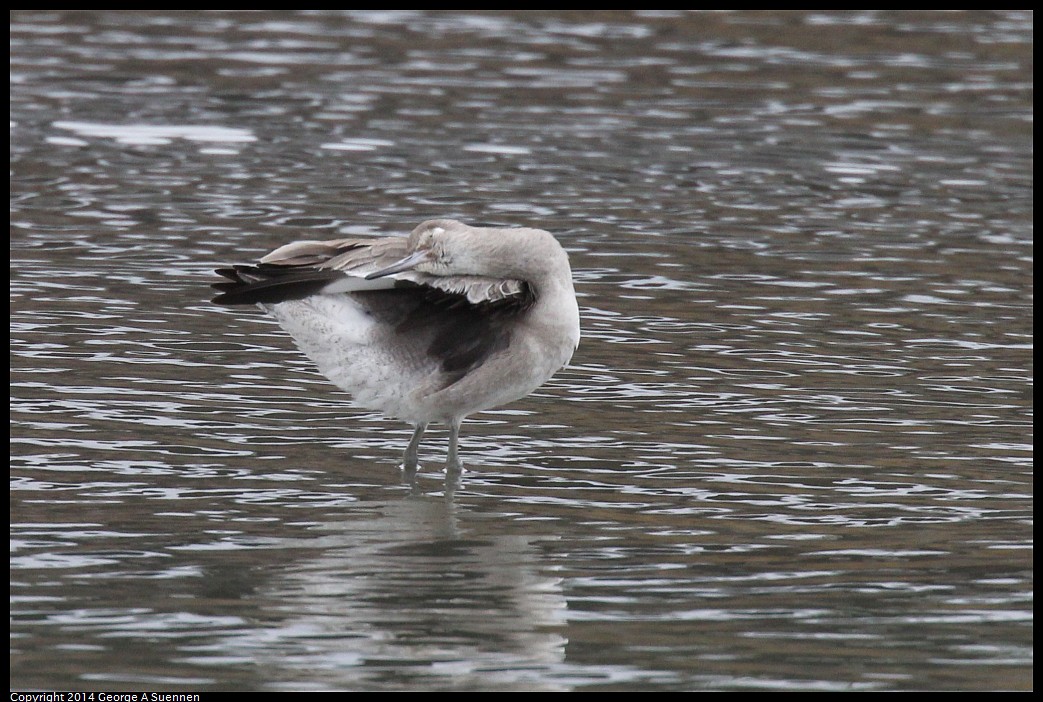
(452, 320)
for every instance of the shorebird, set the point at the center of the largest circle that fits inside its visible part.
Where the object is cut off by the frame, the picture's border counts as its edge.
(452, 320)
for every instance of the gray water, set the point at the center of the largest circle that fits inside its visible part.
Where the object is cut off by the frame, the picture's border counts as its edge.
(793, 451)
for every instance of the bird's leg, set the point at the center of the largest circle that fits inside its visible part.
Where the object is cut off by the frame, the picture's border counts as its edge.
(452, 461)
(409, 461)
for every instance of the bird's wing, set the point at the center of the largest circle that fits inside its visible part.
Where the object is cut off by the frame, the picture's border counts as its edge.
(305, 268)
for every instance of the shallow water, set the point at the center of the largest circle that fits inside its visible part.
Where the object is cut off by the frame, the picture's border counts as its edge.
(794, 449)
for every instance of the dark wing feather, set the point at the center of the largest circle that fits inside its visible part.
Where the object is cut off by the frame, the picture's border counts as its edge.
(248, 285)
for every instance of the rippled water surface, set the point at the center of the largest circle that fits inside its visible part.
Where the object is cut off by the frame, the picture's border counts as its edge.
(794, 449)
